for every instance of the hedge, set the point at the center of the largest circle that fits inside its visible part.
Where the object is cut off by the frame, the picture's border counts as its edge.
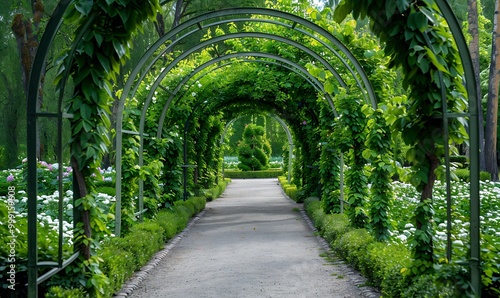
(235, 174)
(381, 263)
(123, 256)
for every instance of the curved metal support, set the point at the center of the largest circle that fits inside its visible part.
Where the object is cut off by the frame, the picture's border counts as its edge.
(196, 21)
(285, 128)
(296, 68)
(475, 236)
(290, 145)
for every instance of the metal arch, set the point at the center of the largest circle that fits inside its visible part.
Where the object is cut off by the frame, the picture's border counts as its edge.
(33, 114)
(160, 78)
(238, 11)
(303, 73)
(334, 40)
(196, 21)
(285, 128)
(475, 236)
(201, 45)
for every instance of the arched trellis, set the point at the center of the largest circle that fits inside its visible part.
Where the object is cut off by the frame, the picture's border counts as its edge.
(34, 115)
(296, 20)
(285, 128)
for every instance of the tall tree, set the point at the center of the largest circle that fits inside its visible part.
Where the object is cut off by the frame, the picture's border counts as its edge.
(26, 32)
(492, 105)
(474, 52)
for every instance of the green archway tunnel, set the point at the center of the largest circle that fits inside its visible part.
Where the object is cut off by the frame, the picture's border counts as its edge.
(55, 23)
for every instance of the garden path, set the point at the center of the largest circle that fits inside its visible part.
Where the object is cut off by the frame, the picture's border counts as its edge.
(250, 242)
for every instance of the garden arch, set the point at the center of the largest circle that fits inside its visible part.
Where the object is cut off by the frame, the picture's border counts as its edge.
(34, 115)
(285, 128)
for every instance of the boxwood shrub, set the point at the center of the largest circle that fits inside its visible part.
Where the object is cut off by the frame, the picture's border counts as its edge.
(235, 174)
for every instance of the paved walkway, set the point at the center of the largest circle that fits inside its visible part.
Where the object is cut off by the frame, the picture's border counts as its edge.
(250, 242)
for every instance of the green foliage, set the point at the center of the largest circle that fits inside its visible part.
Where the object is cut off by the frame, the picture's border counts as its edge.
(271, 173)
(168, 221)
(58, 292)
(254, 152)
(114, 266)
(350, 135)
(464, 175)
(94, 65)
(421, 240)
(378, 145)
(353, 246)
(426, 286)
(330, 179)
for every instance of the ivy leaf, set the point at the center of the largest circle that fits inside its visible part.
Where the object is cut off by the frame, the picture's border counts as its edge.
(85, 111)
(119, 48)
(435, 61)
(84, 7)
(329, 87)
(342, 10)
(417, 21)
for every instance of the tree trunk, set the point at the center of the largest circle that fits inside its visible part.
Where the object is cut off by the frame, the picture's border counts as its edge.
(25, 32)
(474, 52)
(10, 126)
(82, 189)
(492, 107)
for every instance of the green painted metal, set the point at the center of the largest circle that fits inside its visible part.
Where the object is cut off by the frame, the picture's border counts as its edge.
(475, 236)
(293, 67)
(32, 127)
(196, 21)
(33, 115)
(285, 128)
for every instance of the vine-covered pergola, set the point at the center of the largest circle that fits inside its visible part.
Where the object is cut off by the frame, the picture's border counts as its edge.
(87, 109)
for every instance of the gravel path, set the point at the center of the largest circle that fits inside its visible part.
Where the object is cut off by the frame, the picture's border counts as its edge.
(250, 242)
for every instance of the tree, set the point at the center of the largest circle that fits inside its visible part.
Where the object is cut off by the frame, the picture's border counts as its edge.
(490, 137)
(474, 52)
(254, 151)
(26, 32)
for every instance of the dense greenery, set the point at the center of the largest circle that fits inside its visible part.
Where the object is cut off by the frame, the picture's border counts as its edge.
(174, 130)
(254, 152)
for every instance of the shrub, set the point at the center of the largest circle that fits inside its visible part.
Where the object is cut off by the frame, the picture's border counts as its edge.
(334, 226)
(58, 292)
(271, 173)
(464, 175)
(142, 242)
(115, 267)
(383, 266)
(168, 221)
(352, 246)
(183, 214)
(425, 286)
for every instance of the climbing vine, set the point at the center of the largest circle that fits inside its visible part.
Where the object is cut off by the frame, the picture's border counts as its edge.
(349, 135)
(378, 144)
(421, 45)
(94, 67)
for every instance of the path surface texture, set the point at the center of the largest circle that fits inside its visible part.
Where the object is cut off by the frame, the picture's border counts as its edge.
(250, 242)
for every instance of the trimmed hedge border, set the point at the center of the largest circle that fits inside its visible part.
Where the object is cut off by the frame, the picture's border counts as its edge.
(271, 173)
(381, 263)
(147, 243)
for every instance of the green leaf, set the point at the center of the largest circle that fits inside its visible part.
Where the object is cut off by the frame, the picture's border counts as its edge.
(417, 21)
(85, 112)
(119, 48)
(104, 62)
(435, 62)
(84, 7)
(329, 87)
(342, 10)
